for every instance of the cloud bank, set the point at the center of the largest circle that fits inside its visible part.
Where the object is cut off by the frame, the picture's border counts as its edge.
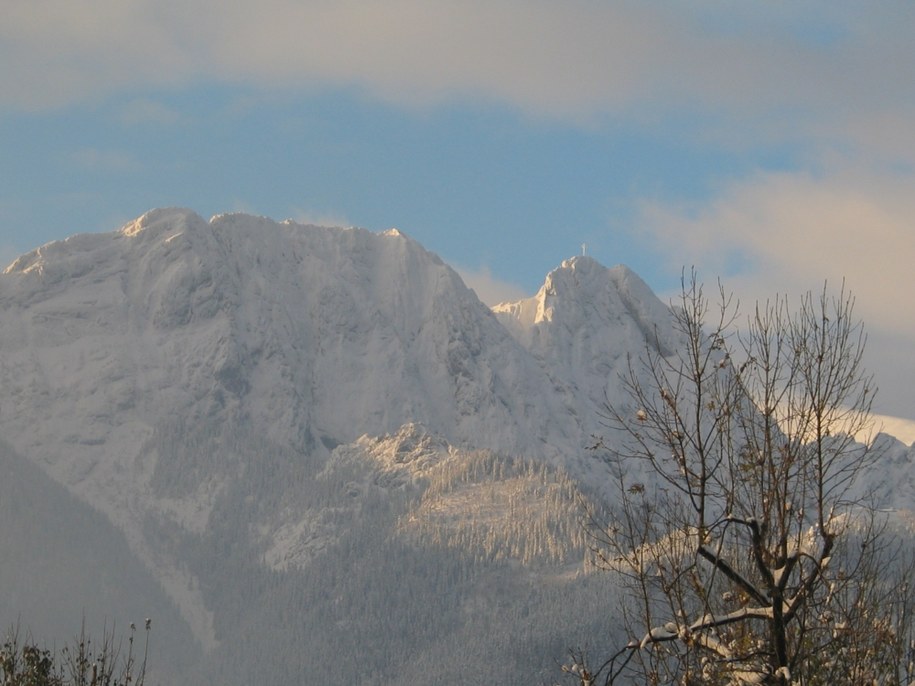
(788, 232)
(575, 59)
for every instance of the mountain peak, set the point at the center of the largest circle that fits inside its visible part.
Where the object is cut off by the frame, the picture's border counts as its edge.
(162, 218)
(583, 286)
(580, 263)
(581, 273)
(584, 322)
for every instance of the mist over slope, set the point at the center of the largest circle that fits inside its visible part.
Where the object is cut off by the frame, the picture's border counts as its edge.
(319, 442)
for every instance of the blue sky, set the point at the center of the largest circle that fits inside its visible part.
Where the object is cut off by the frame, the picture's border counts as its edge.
(771, 144)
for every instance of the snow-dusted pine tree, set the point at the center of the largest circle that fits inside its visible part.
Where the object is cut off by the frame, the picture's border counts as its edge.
(750, 554)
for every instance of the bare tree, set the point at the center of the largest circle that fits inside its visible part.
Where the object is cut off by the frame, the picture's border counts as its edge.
(750, 555)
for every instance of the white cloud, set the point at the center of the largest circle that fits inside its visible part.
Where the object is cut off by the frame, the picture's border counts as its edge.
(793, 230)
(812, 63)
(488, 288)
(789, 232)
(57, 52)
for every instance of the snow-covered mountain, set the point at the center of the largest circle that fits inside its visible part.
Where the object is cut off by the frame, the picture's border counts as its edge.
(308, 337)
(313, 335)
(289, 423)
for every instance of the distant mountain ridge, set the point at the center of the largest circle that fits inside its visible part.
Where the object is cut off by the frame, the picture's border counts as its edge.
(252, 403)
